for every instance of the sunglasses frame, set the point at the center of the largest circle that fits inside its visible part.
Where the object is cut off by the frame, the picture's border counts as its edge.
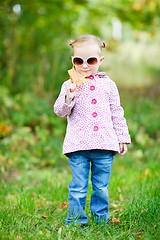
(85, 60)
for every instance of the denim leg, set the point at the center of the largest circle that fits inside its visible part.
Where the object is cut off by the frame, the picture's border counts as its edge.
(78, 188)
(100, 174)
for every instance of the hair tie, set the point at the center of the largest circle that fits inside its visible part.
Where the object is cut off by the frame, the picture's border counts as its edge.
(71, 43)
(103, 44)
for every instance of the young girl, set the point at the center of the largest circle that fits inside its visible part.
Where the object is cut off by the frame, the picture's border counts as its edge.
(96, 131)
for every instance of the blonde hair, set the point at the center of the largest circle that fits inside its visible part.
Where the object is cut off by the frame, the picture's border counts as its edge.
(87, 38)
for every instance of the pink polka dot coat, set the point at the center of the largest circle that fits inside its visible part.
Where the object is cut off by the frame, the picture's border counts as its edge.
(95, 117)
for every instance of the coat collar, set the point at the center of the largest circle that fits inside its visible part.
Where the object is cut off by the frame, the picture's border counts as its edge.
(101, 74)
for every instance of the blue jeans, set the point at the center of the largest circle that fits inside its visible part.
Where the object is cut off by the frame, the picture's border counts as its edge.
(101, 164)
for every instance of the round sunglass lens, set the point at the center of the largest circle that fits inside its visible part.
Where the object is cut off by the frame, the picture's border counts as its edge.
(92, 61)
(78, 61)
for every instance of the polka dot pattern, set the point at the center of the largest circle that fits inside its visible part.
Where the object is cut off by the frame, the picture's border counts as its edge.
(95, 117)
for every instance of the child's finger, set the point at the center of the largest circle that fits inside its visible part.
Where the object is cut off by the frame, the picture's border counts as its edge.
(123, 149)
(73, 87)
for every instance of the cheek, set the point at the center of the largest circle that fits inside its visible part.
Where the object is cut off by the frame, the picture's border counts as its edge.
(77, 68)
(94, 68)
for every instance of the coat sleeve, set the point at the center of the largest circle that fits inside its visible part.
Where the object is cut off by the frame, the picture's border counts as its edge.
(60, 107)
(117, 115)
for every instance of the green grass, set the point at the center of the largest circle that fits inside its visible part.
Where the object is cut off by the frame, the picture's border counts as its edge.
(33, 204)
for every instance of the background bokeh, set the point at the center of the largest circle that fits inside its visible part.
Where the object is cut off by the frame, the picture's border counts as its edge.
(34, 59)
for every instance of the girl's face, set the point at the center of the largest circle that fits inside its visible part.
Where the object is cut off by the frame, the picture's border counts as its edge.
(86, 51)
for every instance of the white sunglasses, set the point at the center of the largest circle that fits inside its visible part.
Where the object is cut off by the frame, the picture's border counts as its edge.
(78, 61)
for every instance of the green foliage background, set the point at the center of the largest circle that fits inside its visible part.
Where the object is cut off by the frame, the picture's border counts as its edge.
(35, 57)
(34, 43)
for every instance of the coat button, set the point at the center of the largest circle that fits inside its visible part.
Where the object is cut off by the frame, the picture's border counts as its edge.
(95, 128)
(94, 114)
(91, 77)
(94, 101)
(92, 88)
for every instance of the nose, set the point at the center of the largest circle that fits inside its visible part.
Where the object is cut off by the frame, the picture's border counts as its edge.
(85, 65)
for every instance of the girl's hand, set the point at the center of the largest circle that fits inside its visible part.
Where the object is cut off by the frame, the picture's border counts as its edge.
(123, 148)
(70, 93)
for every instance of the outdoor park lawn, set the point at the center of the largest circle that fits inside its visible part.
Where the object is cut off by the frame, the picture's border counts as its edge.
(33, 204)
(33, 196)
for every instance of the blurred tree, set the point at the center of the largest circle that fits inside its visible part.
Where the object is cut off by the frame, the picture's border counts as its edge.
(33, 49)
(34, 55)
